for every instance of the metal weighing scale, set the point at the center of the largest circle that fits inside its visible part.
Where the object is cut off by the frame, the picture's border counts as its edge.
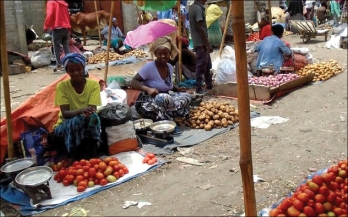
(158, 133)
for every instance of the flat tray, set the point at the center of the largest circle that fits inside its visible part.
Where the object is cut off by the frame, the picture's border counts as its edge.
(17, 165)
(34, 176)
(163, 127)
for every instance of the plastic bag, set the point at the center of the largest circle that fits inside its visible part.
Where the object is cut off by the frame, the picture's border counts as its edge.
(41, 57)
(334, 42)
(226, 72)
(35, 143)
(228, 53)
(300, 50)
(114, 114)
(114, 85)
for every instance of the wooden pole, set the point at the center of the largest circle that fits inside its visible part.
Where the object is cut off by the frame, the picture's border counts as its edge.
(245, 160)
(109, 42)
(5, 80)
(270, 12)
(96, 12)
(180, 43)
(225, 29)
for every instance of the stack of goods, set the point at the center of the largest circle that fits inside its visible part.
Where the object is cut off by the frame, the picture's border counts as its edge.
(286, 33)
(211, 115)
(254, 37)
(101, 57)
(322, 71)
(324, 27)
(86, 174)
(272, 80)
(278, 14)
(302, 57)
(322, 195)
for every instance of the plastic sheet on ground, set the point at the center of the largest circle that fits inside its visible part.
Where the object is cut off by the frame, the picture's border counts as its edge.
(264, 122)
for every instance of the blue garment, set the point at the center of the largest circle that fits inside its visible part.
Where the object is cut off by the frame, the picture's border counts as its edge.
(73, 130)
(271, 51)
(164, 14)
(115, 32)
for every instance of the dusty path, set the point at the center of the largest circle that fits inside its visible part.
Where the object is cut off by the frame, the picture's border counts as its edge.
(314, 137)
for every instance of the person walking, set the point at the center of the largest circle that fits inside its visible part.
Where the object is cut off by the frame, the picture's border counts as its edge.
(201, 45)
(58, 21)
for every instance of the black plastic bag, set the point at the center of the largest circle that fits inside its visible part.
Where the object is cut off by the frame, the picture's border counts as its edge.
(114, 114)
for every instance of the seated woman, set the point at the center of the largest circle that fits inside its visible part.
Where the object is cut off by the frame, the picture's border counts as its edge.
(78, 98)
(117, 36)
(155, 80)
(188, 60)
(272, 49)
(265, 28)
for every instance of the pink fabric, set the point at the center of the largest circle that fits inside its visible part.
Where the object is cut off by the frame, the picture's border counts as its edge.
(57, 15)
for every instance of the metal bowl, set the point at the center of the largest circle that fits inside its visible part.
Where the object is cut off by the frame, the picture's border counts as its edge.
(17, 165)
(34, 176)
(142, 124)
(161, 127)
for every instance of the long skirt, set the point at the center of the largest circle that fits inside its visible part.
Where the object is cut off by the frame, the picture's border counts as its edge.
(214, 34)
(78, 128)
(164, 106)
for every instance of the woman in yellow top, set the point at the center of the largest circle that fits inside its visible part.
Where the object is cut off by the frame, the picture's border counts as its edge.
(78, 98)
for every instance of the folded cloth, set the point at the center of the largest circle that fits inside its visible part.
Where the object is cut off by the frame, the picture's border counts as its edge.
(14, 196)
(189, 83)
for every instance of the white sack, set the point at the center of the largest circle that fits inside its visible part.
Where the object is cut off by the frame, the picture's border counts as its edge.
(226, 72)
(41, 57)
(120, 132)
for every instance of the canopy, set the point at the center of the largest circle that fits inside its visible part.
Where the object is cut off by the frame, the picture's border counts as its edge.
(150, 5)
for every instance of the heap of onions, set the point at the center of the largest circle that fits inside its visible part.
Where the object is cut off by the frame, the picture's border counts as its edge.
(272, 80)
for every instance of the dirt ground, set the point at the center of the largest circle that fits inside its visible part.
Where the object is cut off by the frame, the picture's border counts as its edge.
(314, 138)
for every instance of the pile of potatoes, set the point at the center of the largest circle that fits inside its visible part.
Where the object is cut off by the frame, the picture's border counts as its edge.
(136, 53)
(322, 71)
(210, 115)
(101, 57)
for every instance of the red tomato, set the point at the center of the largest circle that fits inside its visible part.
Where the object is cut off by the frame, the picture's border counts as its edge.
(309, 211)
(103, 182)
(125, 170)
(83, 162)
(303, 197)
(317, 179)
(151, 162)
(96, 181)
(285, 204)
(121, 172)
(150, 155)
(72, 172)
(66, 182)
(85, 175)
(115, 167)
(145, 160)
(298, 204)
(83, 183)
(117, 175)
(112, 163)
(99, 175)
(81, 188)
(309, 193)
(75, 163)
(292, 211)
(79, 178)
(337, 211)
(70, 178)
(273, 212)
(85, 168)
(319, 198)
(324, 190)
(107, 160)
(92, 172)
(62, 173)
(56, 176)
(96, 167)
(102, 166)
(319, 208)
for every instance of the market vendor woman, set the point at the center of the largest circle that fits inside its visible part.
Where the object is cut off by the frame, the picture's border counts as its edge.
(155, 80)
(272, 49)
(78, 98)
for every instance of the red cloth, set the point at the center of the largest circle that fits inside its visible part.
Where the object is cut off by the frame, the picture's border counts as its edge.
(265, 31)
(184, 42)
(57, 15)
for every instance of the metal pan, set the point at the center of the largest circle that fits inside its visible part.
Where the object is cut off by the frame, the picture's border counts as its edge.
(17, 165)
(142, 124)
(161, 127)
(34, 176)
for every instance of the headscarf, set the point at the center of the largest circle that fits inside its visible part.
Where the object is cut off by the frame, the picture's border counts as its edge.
(212, 14)
(114, 19)
(164, 41)
(75, 58)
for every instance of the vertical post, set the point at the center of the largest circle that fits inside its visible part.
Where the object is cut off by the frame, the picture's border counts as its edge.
(109, 42)
(180, 42)
(6, 85)
(245, 160)
(225, 29)
(270, 12)
(96, 12)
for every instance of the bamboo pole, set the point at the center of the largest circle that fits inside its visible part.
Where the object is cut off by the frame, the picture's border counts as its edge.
(96, 12)
(180, 42)
(109, 42)
(245, 160)
(4, 66)
(225, 29)
(270, 12)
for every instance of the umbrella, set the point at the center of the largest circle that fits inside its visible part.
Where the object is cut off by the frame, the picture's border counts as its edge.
(148, 33)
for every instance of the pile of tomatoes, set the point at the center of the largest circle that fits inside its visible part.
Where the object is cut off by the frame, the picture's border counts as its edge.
(149, 159)
(254, 37)
(323, 195)
(86, 173)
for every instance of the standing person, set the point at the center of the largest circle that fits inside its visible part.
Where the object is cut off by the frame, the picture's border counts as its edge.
(214, 29)
(295, 9)
(335, 10)
(58, 21)
(201, 45)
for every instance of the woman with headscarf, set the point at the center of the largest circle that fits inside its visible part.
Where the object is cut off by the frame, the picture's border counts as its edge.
(213, 13)
(155, 80)
(78, 98)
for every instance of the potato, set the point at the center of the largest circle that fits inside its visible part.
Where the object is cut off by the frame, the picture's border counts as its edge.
(206, 120)
(217, 122)
(236, 118)
(207, 127)
(201, 117)
(202, 104)
(230, 122)
(193, 125)
(224, 120)
(225, 124)
(223, 108)
(210, 114)
(236, 111)
(198, 122)
(201, 126)
(197, 127)
(211, 123)
(215, 117)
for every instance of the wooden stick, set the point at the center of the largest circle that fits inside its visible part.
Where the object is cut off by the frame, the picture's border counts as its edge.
(270, 12)
(109, 42)
(180, 42)
(245, 161)
(96, 12)
(5, 80)
(225, 29)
